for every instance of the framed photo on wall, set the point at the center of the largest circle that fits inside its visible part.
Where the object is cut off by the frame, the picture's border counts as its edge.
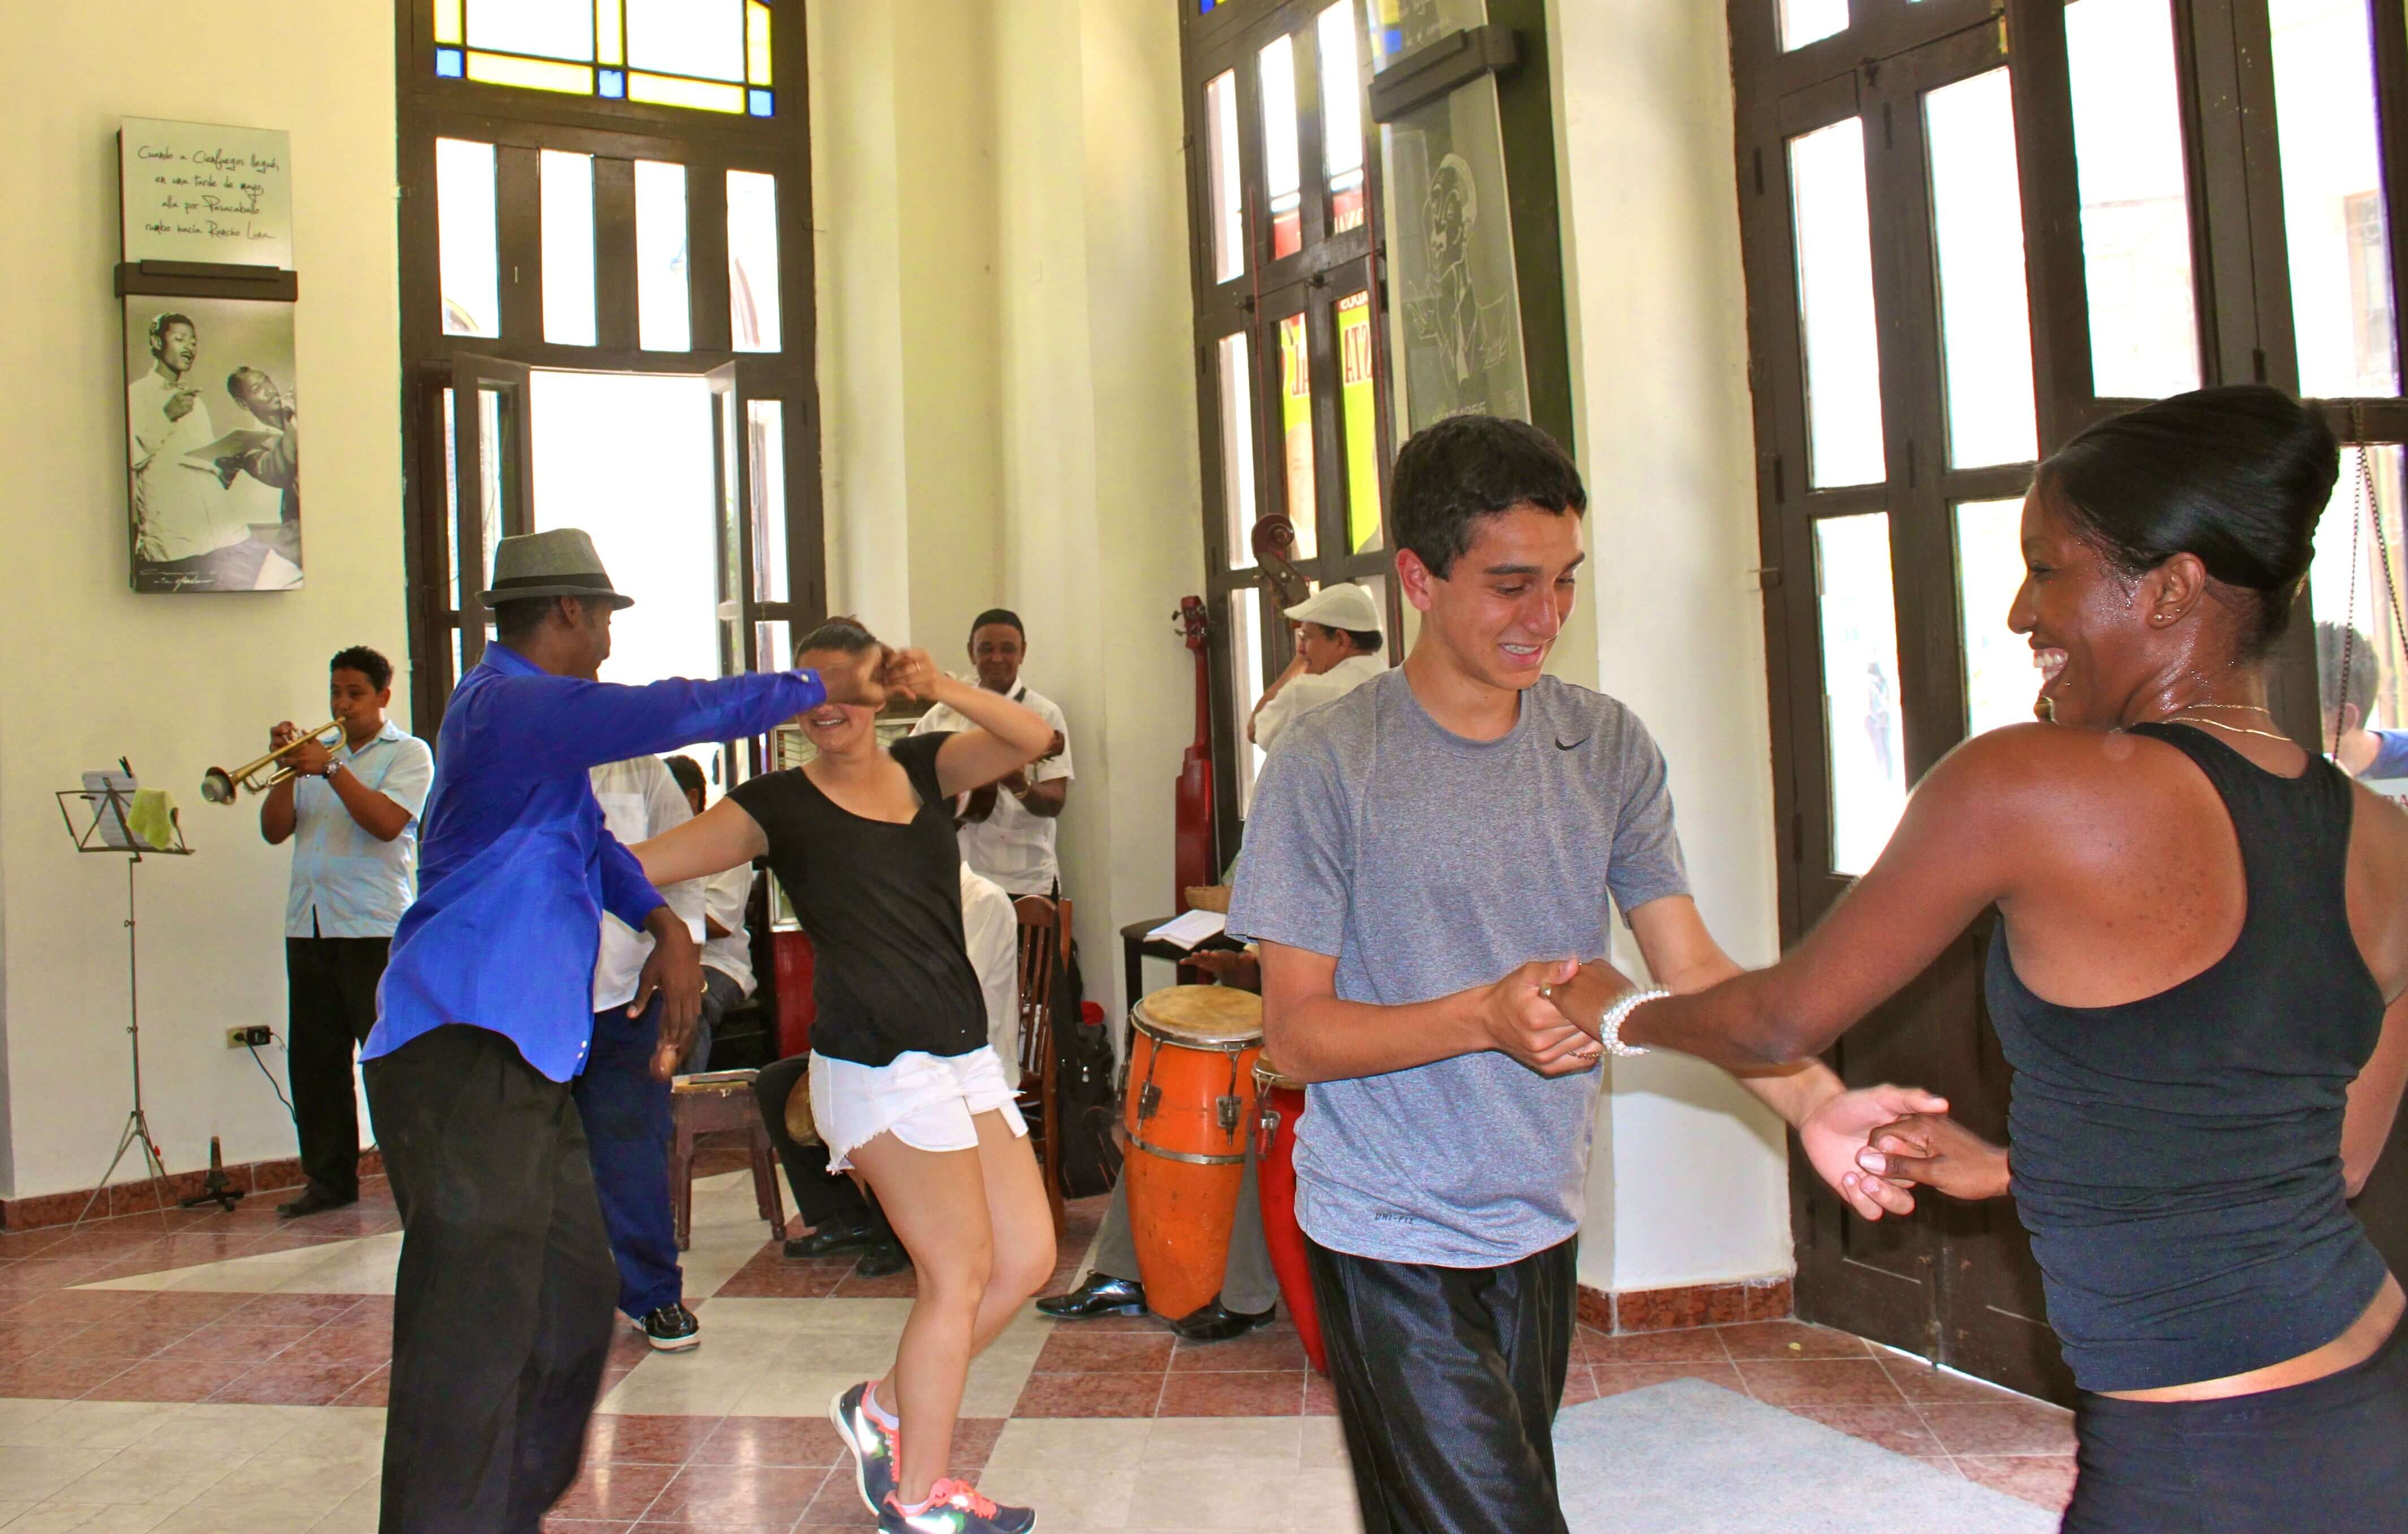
(213, 455)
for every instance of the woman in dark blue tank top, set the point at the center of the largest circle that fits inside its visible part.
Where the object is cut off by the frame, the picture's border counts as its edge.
(2203, 943)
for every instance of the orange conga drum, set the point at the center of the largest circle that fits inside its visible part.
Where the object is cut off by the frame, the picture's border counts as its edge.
(1190, 1108)
(1282, 1103)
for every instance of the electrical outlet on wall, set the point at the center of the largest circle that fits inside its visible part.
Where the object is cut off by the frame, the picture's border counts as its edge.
(258, 1032)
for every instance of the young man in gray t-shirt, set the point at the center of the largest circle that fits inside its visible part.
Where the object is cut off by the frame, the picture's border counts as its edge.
(1426, 856)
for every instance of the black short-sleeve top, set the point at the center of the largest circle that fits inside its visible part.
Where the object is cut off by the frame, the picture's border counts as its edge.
(882, 905)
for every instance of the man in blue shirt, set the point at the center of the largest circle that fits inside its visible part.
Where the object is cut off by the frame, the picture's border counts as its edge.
(350, 811)
(503, 1300)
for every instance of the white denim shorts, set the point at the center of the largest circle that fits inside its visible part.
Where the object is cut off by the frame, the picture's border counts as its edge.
(927, 1101)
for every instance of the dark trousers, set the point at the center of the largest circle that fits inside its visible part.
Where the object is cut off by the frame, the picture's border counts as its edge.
(627, 1129)
(330, 1004)
(501, 1309)
(1447, 1381)
(2329, 1456)
(819, 1198)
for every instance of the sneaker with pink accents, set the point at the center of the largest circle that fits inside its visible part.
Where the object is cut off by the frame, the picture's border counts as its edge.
(871, 1442)
(954, 1507)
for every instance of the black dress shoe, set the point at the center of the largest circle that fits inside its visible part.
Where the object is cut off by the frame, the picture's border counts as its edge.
(1214, 1323)
(672, 1328)
(884, 1259)
(1101, 1295)
(313, 1200)
(832, 1240)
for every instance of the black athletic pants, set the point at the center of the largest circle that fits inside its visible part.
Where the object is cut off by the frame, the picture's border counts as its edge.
(819, 1198)
(330, 989)
(2329, 1456)
(502, 1305)
(1448, 1379)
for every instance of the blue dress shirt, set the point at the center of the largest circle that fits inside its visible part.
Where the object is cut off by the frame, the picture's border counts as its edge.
(515, 866)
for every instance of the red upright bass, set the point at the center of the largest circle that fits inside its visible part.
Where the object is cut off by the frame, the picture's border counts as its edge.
(1192, 861)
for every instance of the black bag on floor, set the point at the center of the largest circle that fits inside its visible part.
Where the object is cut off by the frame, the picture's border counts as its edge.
(1083, 1095)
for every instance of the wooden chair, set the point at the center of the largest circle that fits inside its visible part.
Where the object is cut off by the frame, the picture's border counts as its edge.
(700, 1107)
(1045, 956)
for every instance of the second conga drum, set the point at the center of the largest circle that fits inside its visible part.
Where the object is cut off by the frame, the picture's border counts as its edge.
(1189, 1110)
(1281, 1104)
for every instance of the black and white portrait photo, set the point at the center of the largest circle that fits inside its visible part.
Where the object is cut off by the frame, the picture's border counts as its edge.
(213, 443)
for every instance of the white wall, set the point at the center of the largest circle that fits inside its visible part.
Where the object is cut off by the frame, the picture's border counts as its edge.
(1687, 1182)
(172, 682)
(1011, 419)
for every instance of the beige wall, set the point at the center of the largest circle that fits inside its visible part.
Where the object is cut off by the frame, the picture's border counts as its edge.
(1011, 419)
(172, 682)
(1688, 1185)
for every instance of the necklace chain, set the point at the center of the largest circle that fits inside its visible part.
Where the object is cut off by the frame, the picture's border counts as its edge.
(2237, 730)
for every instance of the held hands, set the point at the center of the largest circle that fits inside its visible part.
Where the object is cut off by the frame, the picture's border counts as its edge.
(1937, 1153)
(858, 680)
(673, 969)
(911, 673)
(1519, 1017)
(311, 759)
(1835, 1135)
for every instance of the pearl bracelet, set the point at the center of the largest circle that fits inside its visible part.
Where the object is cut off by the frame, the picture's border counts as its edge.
(1609, 1027)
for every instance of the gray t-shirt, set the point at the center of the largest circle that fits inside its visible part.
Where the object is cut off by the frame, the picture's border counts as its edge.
(1427, 863)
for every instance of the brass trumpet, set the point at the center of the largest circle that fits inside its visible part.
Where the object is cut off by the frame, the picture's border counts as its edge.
(217, 784)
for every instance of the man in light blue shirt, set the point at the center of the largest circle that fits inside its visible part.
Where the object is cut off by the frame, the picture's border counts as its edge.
(350, 811)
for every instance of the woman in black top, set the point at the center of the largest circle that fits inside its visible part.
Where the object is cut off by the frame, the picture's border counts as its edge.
(2198, 979)
(905, 1088)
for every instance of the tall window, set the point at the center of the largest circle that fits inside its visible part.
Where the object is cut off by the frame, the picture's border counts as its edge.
(1969, 235)
(606, 320)
(1293, 400)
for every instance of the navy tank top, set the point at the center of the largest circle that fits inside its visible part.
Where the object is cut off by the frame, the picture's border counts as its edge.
(2177, 1160)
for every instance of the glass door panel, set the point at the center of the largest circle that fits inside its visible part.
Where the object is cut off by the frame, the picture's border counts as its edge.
(1341, 119)
(2334, 221)
(2136, 226)
(1297, 433)
(2000, 683)
(1835, 302)
(2358, 585)
(1978, 235)
(1223, 188)
(1359, 401)
(468, 262)
(1245, 684)
(1864, 731)
(1282, 161)
(566, 214)
(1234, 389)
(1804, 22)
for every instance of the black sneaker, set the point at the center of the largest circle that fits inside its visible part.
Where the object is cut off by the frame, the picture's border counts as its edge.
(1101, 1295)
(871, 1442)
(672, 1328)
(955, 1507)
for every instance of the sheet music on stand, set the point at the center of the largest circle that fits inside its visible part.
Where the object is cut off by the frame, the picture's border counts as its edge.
(123, 817)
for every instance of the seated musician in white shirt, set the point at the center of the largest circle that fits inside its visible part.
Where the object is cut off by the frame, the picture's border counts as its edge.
(1338, 636)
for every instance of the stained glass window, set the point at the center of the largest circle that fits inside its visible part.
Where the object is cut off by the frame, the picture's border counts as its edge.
(705, 55)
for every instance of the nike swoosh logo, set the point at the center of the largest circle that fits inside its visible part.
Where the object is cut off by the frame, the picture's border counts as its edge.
(1571, 745)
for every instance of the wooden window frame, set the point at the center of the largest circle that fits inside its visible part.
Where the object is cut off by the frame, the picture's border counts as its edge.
(1326, 268)
(1969, 1257)
(521, 123)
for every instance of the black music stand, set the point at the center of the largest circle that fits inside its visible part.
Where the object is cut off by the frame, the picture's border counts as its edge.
(110, 831)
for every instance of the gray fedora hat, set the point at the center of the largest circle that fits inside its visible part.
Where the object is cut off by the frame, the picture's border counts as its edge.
(561, 563)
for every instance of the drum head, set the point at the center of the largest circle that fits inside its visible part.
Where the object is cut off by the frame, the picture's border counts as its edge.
(1201, 1016)
(1267, 1077)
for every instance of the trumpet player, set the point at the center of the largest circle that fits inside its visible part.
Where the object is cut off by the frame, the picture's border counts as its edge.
(350, 811)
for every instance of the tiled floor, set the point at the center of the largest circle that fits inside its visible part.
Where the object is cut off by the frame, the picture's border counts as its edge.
(202, 1373)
